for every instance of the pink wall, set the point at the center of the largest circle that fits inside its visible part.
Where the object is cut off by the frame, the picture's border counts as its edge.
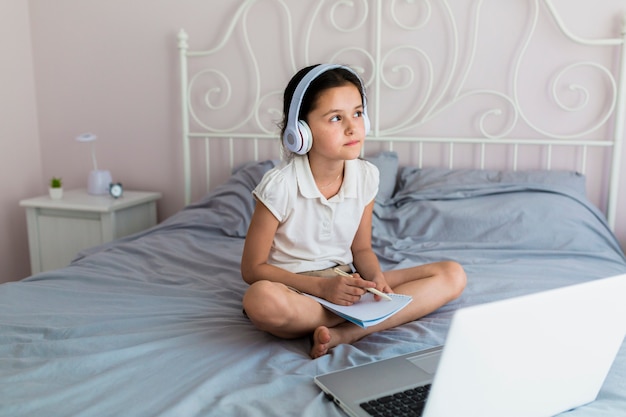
(111, 68)
(20, 156)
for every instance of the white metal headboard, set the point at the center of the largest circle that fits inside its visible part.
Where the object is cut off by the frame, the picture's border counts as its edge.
(375, 38)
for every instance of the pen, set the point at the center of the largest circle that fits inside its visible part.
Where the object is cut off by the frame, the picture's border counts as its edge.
(372, 290)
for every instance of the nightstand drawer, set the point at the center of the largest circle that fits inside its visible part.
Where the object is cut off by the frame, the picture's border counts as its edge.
(62, 237)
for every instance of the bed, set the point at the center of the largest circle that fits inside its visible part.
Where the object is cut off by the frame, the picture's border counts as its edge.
(151, 324)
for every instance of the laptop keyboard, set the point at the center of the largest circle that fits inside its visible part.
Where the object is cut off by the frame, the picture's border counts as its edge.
(408, 403)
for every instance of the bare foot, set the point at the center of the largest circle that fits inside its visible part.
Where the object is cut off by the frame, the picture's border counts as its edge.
(321, 342)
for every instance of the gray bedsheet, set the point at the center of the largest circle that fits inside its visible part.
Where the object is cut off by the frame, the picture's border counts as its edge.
(151, 325)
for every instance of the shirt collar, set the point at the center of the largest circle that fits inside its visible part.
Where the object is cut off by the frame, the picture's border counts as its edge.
(306, 182)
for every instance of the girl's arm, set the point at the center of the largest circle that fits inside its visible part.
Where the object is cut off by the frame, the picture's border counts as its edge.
(364, 258)
(254, 266)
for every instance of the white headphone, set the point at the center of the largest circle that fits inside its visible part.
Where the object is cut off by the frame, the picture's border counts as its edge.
(297, 137)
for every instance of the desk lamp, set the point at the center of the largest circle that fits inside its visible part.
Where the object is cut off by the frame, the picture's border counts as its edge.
(99, 180)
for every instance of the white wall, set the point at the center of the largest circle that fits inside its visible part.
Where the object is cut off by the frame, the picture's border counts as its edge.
(111, 67)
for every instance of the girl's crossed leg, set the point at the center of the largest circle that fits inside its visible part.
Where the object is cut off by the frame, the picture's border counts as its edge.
(283, 312)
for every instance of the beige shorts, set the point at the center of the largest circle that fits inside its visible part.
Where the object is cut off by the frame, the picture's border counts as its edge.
(324, 273)
(328, 272)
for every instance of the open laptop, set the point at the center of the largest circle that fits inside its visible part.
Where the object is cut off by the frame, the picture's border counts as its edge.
(535, 355)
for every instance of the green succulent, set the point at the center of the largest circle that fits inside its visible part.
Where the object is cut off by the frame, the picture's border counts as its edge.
(56, 182)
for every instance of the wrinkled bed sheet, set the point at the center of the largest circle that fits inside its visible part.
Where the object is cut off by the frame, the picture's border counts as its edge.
(151, 325)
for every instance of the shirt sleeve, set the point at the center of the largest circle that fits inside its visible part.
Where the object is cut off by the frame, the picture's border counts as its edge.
(273, 192)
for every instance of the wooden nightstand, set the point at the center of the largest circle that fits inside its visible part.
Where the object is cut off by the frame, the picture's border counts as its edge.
(59, 229)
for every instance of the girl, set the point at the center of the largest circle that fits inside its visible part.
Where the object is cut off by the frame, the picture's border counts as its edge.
(314, 213)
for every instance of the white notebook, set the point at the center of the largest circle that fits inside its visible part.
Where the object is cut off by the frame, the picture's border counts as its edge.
(367, 312)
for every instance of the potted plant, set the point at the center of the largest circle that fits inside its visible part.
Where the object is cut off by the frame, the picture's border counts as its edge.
(56, 188)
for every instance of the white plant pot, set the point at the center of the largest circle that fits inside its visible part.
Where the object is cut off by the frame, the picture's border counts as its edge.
(56, 193)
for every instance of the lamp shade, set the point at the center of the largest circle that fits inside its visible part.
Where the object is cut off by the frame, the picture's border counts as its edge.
(86, 137)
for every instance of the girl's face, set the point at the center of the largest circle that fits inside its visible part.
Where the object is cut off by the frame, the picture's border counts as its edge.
(336, 122)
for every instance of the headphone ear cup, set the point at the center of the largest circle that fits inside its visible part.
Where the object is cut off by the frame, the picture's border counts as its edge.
(298, 139)
(306, 137)
(291, 139)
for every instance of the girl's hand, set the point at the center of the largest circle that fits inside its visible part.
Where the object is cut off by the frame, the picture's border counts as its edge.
(345, 290)
(381, 285)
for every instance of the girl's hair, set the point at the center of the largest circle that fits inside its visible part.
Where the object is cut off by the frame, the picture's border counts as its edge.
(336, 77)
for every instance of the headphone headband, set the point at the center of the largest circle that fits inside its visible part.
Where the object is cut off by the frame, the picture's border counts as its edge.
(297, 136)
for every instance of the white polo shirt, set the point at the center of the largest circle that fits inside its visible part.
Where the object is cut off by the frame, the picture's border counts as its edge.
(315, 233)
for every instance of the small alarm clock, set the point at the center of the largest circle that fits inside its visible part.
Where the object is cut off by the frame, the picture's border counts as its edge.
(116, 190)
